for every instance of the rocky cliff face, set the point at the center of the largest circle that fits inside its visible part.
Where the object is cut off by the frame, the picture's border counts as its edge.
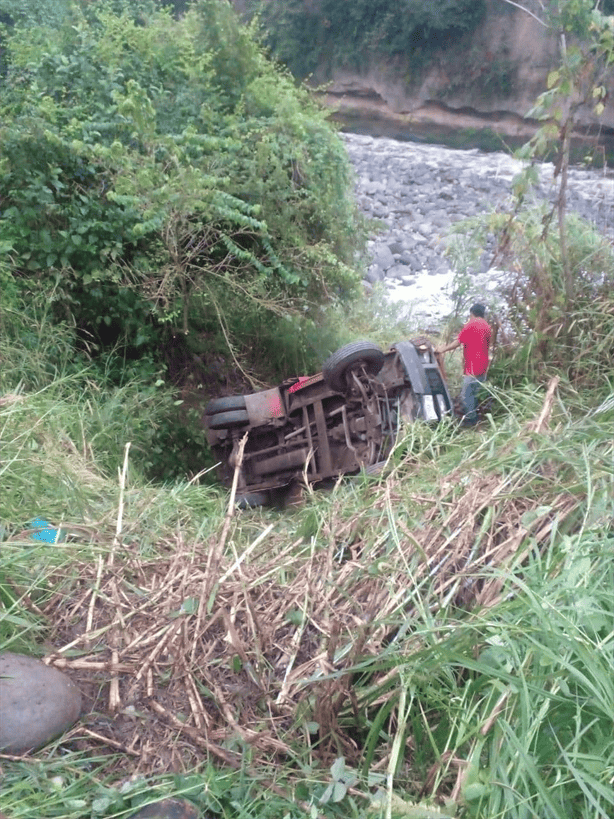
(489, 80)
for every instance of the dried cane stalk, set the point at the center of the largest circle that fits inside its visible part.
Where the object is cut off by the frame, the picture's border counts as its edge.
(215, 555)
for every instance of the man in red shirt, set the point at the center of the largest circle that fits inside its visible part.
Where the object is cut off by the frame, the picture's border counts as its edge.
(475, 337)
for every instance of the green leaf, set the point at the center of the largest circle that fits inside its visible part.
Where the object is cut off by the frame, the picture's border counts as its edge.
(337, 768)
(189, 605)
(328, 792)
(553, 78)
(101, 804)
(475, 791)
(295, 617)
(339, 791)
(531, 515)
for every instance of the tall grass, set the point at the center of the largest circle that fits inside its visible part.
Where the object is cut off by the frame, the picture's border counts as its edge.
(510, 710)
(63, 435)
(506, 710)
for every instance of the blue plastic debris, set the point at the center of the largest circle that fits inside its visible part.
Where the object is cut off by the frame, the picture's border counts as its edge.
(45, 531)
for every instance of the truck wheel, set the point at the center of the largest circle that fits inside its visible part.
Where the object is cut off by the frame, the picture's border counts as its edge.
(359, 353)
(225, 420)
(225, 404)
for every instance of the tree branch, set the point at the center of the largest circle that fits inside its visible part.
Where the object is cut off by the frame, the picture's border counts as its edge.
(530, 13)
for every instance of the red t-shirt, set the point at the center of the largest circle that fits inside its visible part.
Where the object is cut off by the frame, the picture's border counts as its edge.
(475, 338)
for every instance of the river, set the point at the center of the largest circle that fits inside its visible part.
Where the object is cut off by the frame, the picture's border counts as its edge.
(417, 191)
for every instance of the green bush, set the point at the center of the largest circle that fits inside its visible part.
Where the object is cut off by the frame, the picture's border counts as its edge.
(152, 166)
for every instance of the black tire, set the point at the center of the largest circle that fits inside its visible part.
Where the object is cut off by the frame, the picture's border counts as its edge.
(364, 353)
(225, 420)
(227, 404)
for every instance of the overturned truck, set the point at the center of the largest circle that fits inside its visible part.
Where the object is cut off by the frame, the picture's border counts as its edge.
(344, 419)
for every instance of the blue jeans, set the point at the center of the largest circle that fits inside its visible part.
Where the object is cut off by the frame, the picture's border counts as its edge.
(469, 395)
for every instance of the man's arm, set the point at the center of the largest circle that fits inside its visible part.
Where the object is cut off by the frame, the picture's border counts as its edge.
(448, 347)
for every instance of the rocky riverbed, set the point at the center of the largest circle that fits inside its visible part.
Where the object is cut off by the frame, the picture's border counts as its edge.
(417, 191)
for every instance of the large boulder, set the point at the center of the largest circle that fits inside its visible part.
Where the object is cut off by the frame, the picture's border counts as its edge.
(381, 256)
(374, 274)
(37, 702)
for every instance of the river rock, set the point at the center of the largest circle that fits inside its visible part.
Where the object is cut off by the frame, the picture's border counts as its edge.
(382, 255)
(398, 271)
(418, 190)
(168, 809)
(37, 702)
(374, 274)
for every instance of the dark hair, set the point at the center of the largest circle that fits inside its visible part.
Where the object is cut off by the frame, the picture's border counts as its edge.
(478, 310)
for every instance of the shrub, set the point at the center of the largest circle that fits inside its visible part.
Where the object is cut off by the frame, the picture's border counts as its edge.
(150, 175)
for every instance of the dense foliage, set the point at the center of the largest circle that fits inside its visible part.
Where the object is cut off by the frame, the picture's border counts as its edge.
(307, 36)
(159, 173)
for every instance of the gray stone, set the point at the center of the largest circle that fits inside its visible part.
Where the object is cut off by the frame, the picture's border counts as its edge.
(399, 271)
(396, 247)
(374, 274)
(382, 256)
(37, 702)
(409, 244)
(485, 260)
(415, 261)
(441, 267)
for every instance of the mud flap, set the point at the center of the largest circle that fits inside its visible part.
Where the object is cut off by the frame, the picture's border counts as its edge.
(263, 406)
